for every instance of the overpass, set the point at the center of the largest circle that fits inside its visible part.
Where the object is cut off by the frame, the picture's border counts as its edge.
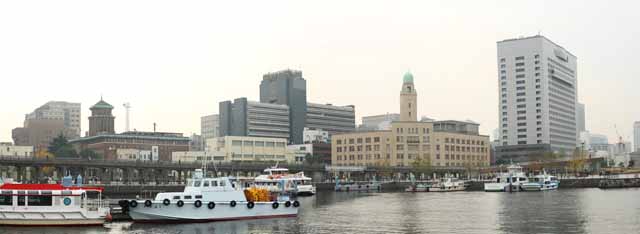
(34, 169)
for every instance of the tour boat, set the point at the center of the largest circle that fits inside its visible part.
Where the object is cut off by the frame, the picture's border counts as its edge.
(541, 182)
(278, 179)
(418, 188)
(208, 199)
(52, 205)
(510, 181)
(448, 185)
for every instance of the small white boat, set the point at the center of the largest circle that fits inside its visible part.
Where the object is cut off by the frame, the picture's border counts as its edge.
(418, 188)
(279, 180)
(448, 185)
(208, 199)
(541, 182)
(52, 205)
(510, 181)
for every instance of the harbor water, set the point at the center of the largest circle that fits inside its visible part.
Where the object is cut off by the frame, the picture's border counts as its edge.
(562, 211)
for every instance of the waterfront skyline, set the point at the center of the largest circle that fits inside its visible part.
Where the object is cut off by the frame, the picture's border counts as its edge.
(175, 69)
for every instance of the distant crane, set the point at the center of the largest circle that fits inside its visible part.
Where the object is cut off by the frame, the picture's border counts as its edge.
(127, 106)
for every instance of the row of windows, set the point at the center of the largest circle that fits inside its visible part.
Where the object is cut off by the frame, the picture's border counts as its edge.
(463, 141)
(258, 143)
(359, 140)
(462, 149)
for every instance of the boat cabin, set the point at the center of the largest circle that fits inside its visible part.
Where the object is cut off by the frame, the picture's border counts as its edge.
(49, 196)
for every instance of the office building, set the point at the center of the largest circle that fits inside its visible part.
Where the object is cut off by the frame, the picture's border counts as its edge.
(333, 119)
(434, 143)
(249, 118)
(580, 118)
(288, 88)
(247, 148)
(68, 112)
(538, 94)
(314, 153)
(378, 122)
(636, 136)
(209, 126)
(196, 143)
(39, 133)
(315, 135)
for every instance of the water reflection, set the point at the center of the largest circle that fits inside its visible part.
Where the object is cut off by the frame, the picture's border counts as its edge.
(541, 212)
(562, 211)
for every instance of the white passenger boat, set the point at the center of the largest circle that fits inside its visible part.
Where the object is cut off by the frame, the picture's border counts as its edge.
(208, 199)
(541, 182)
(51, 205)
(510, 181)
(418, 188)
(278, 179)
(357, 186)
(448, 185)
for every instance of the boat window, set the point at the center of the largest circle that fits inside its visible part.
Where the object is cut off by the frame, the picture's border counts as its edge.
(190, 183)
(508, 180)
(197, 183)
(21, 198)
(31, 192)
(39, 200)
(198, 196)
(176, 197)
(523, 179)
(498, 180)
(547, 182)
(187, 197)
(222, 183)
(206, 183)
(214, 183)
(6, 199)
(45, 192)
(66, 192)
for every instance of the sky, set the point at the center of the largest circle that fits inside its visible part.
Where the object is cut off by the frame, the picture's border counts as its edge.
(174, 61)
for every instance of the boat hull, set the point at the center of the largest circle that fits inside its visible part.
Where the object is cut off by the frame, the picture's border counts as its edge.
(357, 187)
(159, 212)
(52, 222)
(446, 189)
(534, 187)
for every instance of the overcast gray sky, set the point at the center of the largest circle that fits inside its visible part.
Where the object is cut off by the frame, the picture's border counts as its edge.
(175, 60)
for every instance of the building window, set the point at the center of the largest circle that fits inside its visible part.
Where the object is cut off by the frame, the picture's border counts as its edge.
(520, 70)
(519, 64)
(520, 58)
(520, 76)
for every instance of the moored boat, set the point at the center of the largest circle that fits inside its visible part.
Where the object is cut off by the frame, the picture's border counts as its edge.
(209, 199)
(52, 205)
(541, 182)
(418, 188)
(279, 180)
(448, 185)
(510, 181)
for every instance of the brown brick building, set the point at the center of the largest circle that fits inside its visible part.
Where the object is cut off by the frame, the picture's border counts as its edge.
(107, 145)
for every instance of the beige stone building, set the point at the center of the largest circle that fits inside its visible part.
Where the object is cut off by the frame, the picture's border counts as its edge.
(244, 148)
(435, 143)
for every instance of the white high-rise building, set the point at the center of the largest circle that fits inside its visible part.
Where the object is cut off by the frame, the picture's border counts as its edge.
(68, 112)
(636, 136)
(580, 118)
(538, 95)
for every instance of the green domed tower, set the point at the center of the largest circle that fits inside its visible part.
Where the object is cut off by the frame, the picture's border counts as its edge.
(408, 99)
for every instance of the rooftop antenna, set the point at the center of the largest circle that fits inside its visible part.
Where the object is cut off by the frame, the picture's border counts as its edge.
(127, 106)
(154, 127)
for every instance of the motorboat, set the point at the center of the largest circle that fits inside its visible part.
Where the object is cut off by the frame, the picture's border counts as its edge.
(448, 185)
(207, 199)
(52, 204)
(541, 182)
(418, 188)
(509, 181)
(277, 179)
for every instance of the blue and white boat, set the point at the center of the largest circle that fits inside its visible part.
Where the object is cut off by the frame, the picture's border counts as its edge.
(541, 182)
(511, 181)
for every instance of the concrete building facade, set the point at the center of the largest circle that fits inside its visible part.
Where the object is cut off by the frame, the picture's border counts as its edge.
(68, 112)
(538, 96)
(209, 125)
(580, 119)
(10, 150)
(38, 133)
(198, 156)
(135, 155)
(247, 148)
(334, 119)
(288, 88)
(636, 136)
(160, 143)
(248, 118)
(378, 122)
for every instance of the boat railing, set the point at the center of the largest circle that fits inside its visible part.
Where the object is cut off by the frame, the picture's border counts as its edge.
(95, 204)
